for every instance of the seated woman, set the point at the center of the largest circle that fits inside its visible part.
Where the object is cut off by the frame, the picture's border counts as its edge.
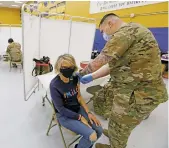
(72, 111)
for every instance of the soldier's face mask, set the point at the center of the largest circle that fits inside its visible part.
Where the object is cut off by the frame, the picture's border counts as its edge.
(106, 37)
(67, 72)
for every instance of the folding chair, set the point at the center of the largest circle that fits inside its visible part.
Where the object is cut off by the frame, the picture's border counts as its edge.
(17, 63)
(60, 128)
(11, 62)
(5, 57)
(90, 90)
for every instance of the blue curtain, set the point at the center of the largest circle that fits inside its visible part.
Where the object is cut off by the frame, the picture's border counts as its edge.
(99, 42)
(161, 35)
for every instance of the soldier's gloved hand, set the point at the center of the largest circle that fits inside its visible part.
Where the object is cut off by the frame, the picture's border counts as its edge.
(86, 79)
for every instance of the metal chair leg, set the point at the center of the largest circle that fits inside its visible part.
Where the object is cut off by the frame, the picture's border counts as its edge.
(60, 128)
(50, 125)
(89, 101)
(22, 66)
(63, 139)
(43, 101)
(74, 141)
(20, 69)
(38, 84)
(10, 66)
(48, 99)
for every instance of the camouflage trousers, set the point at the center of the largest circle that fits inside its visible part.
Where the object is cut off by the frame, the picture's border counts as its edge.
(130, 107)
(103, 101)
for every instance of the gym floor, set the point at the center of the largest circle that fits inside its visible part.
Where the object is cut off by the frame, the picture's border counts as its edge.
(24, 124)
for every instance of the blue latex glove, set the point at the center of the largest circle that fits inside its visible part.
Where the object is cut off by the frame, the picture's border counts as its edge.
(86, 79)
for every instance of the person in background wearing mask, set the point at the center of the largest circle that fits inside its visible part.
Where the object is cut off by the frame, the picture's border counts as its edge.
(14, 51)
(72, 111)
(134, 64)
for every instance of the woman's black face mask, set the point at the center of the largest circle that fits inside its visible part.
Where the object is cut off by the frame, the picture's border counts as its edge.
(67, 72)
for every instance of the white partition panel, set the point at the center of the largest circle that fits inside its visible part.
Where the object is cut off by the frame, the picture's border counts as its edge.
(4, 36)
(54, 38)
(30, 50)
(16, 34)
(81, 41)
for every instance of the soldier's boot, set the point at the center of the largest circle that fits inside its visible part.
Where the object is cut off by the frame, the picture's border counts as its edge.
(105, 132)
(99, 145)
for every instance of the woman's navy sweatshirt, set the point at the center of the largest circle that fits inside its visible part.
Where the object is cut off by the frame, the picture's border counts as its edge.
(64, 97)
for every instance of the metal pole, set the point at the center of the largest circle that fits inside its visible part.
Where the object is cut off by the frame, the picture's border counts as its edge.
(10, 30)
(22, 16)
(84, 18)
(39, 41)
(39, 32)
(54, 14)
(60, 13)
(70, 33)
(17, 25)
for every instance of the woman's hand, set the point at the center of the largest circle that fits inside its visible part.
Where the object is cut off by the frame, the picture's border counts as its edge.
(84, 121)
(92, 119)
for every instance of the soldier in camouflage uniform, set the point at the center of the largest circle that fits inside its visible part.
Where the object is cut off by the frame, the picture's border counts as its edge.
(14, 51)
(134, 62)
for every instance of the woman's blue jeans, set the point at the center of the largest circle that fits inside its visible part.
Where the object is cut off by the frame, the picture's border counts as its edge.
(81, 129)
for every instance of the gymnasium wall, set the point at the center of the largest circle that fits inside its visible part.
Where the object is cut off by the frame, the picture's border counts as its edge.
(157, 23)
(9, 16)
(81, 8)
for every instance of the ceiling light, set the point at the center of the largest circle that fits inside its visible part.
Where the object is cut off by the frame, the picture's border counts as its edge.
(14, 5)
(18, 2)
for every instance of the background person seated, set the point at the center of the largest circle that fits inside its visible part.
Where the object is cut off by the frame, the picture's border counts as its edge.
(14, 51)
(72, 111)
